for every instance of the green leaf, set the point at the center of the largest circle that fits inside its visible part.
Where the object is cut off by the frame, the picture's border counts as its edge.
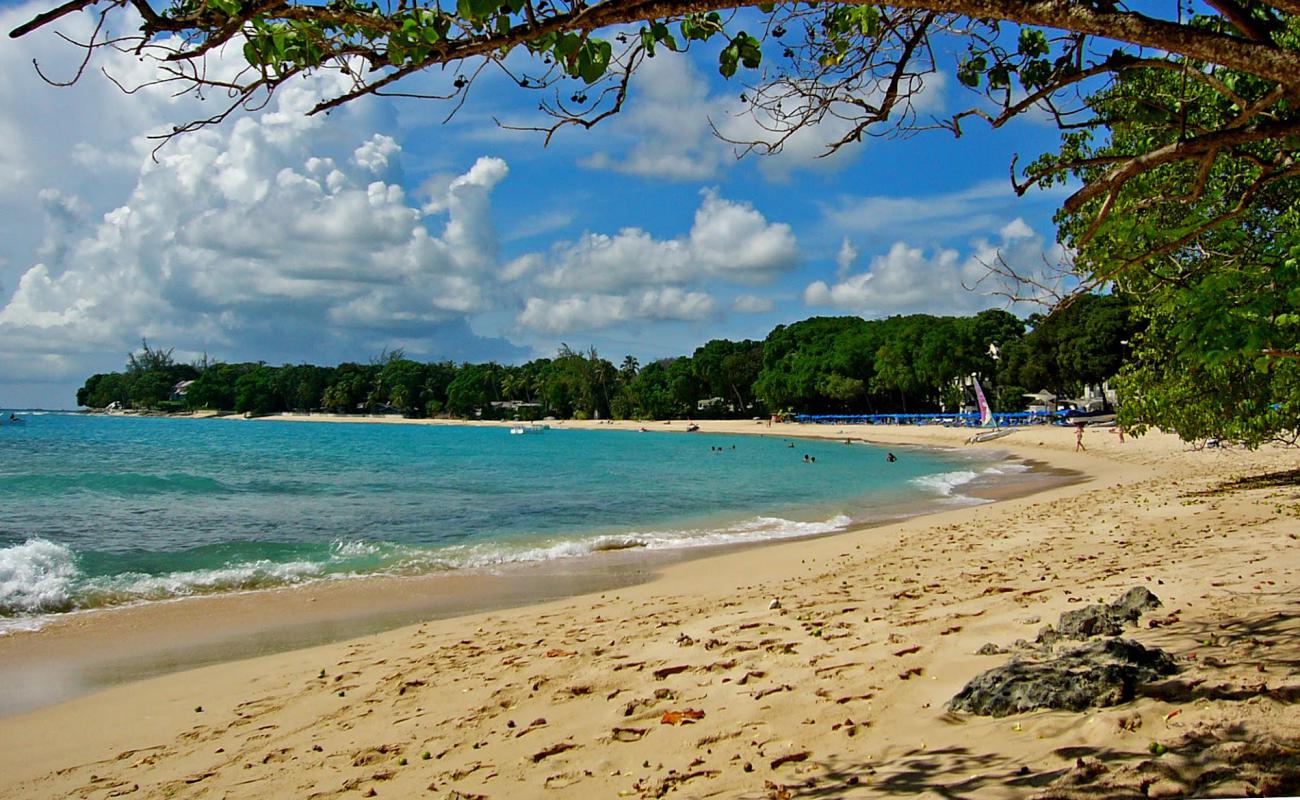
(566, 44)
(593, 59)
(1033, 43)
(727, 60)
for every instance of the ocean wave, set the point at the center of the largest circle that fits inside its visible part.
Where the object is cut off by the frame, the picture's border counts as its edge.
(748, 531)
(133, 587)
(945, 483)
(37, 577)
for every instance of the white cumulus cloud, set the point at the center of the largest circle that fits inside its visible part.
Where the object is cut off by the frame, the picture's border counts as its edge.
(727, 239)
(593, 312)
(277, 228)
(912, 279)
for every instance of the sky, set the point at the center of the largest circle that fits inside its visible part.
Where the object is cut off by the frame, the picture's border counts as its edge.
(284, 238)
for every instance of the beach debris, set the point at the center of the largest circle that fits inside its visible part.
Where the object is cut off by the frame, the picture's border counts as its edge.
(664, 672)
(990, 649)
(790, 758)
(554, 749)
(775, 604)
(556, 652)
(684, 641)
(1101, 673)
(760, 694)
(540, 722)
(906, 651)
(908, 674)
(776, 791)
(682, 717)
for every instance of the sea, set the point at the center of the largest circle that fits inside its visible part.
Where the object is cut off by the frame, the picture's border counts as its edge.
(99, 511)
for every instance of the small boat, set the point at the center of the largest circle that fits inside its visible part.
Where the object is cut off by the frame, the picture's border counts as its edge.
(519, 430)
(988, 436)
(1092, 419)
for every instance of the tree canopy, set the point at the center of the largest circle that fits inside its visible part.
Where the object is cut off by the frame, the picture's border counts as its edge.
(858, 62)
(915, 363)
(1209, 246)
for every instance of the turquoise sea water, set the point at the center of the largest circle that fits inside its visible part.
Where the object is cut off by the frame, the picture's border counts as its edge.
(103, 511)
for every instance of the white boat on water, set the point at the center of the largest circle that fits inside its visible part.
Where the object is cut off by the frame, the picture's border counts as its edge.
(519, 430)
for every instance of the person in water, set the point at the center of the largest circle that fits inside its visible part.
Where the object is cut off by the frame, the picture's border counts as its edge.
(891, 458)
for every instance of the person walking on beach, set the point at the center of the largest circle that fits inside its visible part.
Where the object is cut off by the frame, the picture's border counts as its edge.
(1078, 438)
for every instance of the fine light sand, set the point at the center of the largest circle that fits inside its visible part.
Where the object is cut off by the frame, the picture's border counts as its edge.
(839, 691)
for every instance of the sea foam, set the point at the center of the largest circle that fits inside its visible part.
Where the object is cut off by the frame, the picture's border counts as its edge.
(945, 483)
(36, 577)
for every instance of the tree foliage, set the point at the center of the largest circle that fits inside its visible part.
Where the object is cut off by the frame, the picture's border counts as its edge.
(860, 63)
(1208, 247)
(822, 364)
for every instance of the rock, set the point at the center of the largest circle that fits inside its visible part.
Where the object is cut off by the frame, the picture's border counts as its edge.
(1102, 673)
(1083, 623)
(1104, 620)
(775, 604)
(1047, 635)
(990, 649)
(1133, 603)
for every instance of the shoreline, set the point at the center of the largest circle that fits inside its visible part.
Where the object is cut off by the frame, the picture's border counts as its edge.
(840, 689)
(77, 653)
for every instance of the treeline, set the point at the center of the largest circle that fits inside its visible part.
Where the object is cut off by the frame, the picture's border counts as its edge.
(910, 363)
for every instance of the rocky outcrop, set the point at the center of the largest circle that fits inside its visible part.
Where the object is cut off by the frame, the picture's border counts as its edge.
(1101, 673)
(1101, 619)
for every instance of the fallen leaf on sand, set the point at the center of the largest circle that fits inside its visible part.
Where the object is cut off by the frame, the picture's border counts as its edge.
(678, 717)
(790, 758)
(552, 750)
(664, 672)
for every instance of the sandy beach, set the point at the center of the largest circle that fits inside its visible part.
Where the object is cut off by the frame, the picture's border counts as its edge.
(815, 668)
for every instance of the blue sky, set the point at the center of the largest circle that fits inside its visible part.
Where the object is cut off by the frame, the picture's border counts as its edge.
(284, 238)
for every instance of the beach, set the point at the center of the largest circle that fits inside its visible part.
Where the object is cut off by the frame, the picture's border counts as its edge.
(809, 668)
